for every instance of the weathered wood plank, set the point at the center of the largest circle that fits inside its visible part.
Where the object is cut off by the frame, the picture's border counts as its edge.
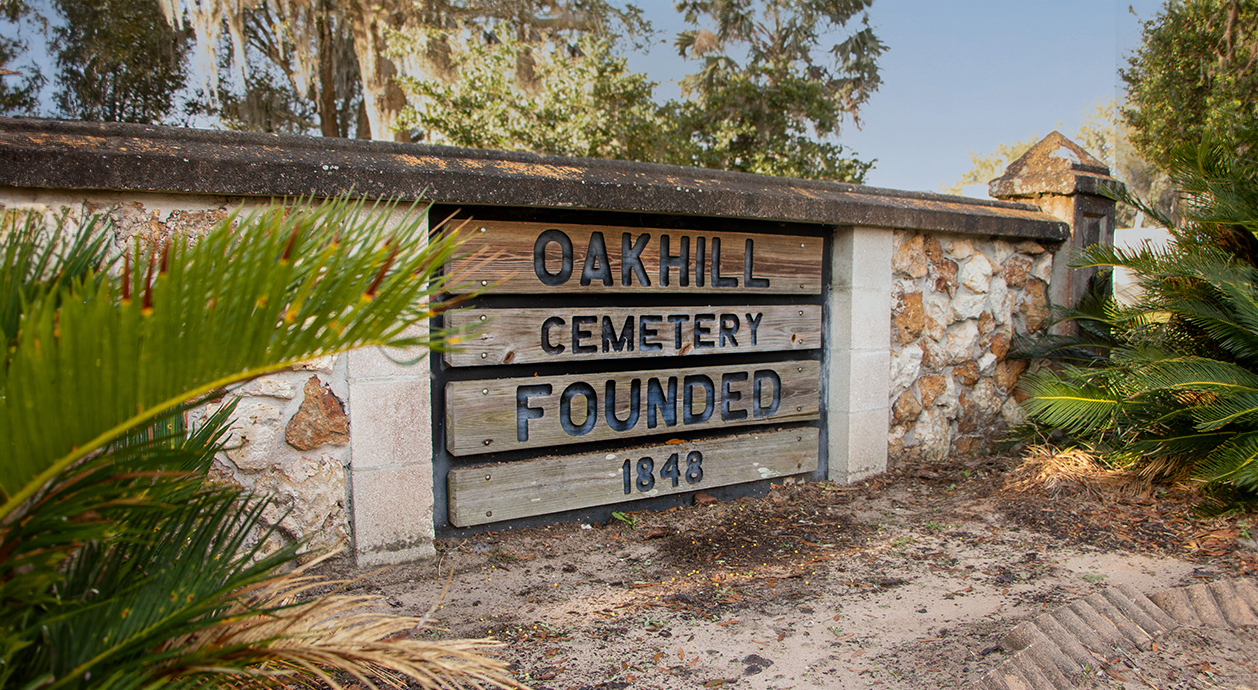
(586, 333)
(494, 415)
(506, 491)
(519, 257)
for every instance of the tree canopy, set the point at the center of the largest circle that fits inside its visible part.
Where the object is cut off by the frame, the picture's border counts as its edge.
(773, 81)
(1195, 76)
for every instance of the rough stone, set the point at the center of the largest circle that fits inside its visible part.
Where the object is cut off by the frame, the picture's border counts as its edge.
(986, 363)
(1043, 268)
(932, 435)
(1008, 372)
(269, 387)
(930, 387)
(911, 319)
(909, 259)
(985, 399)
(967, 372)
(999, 345)
(968, 420)
(322, 365)
(932, 249)
(1029, 247)
(1034, 304)
(999, 300)
(938, 314)
(906, 365)
(967, 445)
(949, 401)
(1011, 413)
(313, 493)
(251, 440)
(999, 253)
(961, 342)
(932, 353)
(321, 419)
(905, 409)
(986, 323)
(976, 273)
(961, 249)
(946, 276)
(968, 305)
(1016, 270)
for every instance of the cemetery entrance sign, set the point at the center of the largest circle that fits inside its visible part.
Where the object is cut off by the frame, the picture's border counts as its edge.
(618, 363)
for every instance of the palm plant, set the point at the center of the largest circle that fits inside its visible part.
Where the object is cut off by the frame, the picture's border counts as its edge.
(121, 566)
(1175, 391)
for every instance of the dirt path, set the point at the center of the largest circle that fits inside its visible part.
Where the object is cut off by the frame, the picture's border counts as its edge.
(906, 581)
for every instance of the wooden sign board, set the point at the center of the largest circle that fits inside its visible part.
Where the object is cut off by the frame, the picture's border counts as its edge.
(519, 257)
(520, 336)
(494, 415)
(491, 493)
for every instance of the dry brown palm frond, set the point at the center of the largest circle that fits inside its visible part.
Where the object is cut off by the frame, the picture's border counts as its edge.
(278, 640)
(1071, 471)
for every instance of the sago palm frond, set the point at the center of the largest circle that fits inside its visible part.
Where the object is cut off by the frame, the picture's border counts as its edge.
(1074, 405)
(258, 293)
(288, 639)
(1234, 462)
(121, 566)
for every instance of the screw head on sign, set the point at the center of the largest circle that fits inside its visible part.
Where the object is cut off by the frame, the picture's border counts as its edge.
(489, 513)
(486, 282)
(487, 477)
(483, 317)
(490, 440)
(483, 230)
(485, 391)
(483, 355)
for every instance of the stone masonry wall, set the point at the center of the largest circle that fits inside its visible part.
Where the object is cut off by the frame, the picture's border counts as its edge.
(957, 303)
(290, 438)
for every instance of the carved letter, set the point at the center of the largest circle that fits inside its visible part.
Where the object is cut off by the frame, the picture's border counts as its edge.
(596, 264)
(631, 260)
(523, 413)
(539, 257)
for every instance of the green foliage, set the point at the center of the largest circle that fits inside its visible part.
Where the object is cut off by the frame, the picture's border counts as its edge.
(1172, 385)
(121, 565)
(104, 356)
(772, 113)
(576, 100)
(1195, 76)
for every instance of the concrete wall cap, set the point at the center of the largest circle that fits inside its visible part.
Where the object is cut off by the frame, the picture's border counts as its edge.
(39, 153)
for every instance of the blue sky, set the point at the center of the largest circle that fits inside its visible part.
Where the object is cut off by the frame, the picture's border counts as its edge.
(966, 76)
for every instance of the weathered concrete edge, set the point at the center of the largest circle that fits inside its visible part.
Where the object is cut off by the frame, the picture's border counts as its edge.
(37, 153)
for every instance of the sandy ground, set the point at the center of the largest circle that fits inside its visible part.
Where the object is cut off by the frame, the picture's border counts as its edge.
(909, 580)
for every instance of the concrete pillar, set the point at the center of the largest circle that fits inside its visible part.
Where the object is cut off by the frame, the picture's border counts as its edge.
(1068, 183)
(391, 482)
(858, 360)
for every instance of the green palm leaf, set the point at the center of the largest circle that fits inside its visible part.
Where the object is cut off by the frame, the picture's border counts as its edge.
(256, 294)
